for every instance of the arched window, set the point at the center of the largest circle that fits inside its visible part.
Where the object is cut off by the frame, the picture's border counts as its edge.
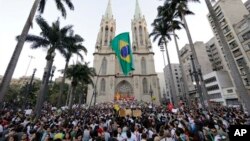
(143, 66)
(145, 86)
(106, 36)
(104, 66)
(111, 35)
(136, 40)
(141, 35)
(102, 89)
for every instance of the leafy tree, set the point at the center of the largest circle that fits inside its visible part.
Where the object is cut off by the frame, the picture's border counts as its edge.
(73, 45)
(179, 9)
(52, 38)
(53, 95)
(15, 56)
(79, 73)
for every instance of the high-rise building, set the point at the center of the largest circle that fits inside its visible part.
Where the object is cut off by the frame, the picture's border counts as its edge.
(176, 72)
(229, 13)
(163, 94)
(242, 29)
(220, 88)
(214, 55)
(110, 80)
(247, 5)
(205, 65)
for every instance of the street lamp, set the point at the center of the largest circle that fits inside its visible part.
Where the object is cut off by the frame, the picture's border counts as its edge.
(196, 81)
(31, 57)
(29, 87)
(162, 50)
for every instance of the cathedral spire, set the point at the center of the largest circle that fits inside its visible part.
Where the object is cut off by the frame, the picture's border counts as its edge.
(108, 13)
(137, 14)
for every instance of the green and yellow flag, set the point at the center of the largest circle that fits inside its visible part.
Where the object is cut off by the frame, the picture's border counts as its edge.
(121, 45)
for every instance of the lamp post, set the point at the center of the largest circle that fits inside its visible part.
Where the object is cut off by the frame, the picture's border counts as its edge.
(51, 74)
(195, 74)
(162, 50)
(151, 94)
(29, 87)
(31, 57)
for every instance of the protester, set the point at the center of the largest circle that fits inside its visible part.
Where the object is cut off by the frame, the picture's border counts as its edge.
(104, 122)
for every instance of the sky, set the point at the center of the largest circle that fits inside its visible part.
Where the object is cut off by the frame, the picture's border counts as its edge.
(86, 20)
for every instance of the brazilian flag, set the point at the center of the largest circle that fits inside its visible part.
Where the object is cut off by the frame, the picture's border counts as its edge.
(121, 45)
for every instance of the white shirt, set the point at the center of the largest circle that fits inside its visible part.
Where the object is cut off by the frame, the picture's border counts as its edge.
(133, 137)
(1, 128)
(167, 139)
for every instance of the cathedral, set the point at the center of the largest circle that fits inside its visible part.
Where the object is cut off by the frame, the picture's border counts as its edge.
(142, 84)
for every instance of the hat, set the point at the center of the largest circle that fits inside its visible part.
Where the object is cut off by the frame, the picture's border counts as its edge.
(59, 136)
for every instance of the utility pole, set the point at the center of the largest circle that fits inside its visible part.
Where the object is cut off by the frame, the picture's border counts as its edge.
(31, 57)
(195, 74)
(29, 87)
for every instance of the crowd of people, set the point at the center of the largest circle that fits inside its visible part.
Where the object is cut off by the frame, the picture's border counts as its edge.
(103, 122)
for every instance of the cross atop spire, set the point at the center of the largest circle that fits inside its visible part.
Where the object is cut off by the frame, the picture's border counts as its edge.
(137, 14)
(108, 13)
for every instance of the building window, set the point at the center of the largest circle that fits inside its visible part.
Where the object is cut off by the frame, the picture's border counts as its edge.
(229, 37)
(141, 35)
(240, 62)
(246, 36)
(223, 22)
(215, 96)
(179, 90)
(233, 44)
(237, 53)
(220, 16)
(104, 66)
(145, 85)
(226, 30)
(143, 66)
(106, 36)
(213, 88)
(232, 101)
(230, 91)
(210, 80)
(136, 40)
(102, 89)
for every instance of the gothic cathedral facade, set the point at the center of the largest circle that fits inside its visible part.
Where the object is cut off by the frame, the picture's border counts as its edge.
(142, 83)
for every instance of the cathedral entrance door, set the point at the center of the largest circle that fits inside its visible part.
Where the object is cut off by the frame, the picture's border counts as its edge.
(123, 90)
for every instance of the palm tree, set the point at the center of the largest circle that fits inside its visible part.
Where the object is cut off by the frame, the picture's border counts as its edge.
(15, 56)
(174, 24)
(52, 38)
(161, 33)
(240, 88)
(73, 46)
(180, 10)
(79, 73)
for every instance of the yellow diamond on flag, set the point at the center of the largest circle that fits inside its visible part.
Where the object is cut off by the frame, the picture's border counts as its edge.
(116, 107)
(122, 43)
